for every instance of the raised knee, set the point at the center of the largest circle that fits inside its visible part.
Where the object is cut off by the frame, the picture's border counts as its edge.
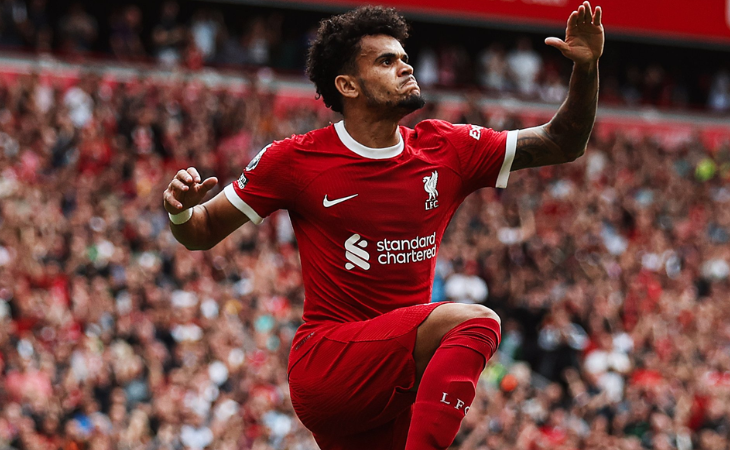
(474, 330)
(481, 312)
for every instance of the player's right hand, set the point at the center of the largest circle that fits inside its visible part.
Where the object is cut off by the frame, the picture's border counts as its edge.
(186, 190)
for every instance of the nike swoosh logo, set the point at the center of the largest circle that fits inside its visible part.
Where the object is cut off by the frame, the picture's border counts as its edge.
(328, 203)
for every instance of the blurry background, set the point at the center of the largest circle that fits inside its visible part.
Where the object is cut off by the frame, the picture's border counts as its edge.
(610, 273)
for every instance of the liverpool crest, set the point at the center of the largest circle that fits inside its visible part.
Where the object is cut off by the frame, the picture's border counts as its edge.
(429, 185)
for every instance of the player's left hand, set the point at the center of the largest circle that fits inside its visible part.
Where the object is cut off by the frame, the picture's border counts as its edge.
(583, 37)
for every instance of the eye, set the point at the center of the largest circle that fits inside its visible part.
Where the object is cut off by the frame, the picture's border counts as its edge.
(387, 62)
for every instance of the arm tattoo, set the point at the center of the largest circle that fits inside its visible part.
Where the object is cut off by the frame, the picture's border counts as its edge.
(565, 137)
(534, 149)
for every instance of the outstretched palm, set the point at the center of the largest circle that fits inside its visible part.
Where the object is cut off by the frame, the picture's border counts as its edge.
(583, 36)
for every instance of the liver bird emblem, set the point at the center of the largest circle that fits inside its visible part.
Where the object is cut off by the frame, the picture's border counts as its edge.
(429, 185)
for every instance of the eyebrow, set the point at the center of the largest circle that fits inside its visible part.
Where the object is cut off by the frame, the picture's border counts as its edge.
(391, 55)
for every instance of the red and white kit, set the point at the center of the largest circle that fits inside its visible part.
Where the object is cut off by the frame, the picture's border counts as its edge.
(368, 223)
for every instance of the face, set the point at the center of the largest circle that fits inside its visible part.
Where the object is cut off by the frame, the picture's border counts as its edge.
(384, 79)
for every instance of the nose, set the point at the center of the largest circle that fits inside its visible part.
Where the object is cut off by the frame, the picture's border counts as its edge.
(406, 69)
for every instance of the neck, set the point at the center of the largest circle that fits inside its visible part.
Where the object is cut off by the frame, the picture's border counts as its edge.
(372, 132)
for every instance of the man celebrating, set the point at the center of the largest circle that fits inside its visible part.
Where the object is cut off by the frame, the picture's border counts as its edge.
(375, 365)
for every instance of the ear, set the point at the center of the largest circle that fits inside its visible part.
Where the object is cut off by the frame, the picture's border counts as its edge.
(347, 85)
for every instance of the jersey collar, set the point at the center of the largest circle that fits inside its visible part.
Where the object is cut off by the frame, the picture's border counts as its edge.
(368, 152)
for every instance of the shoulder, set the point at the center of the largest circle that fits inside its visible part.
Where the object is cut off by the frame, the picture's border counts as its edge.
(313, 139)
(427, 134)
(448, 130)
(294, 148)
(443, 132)
(433, 127)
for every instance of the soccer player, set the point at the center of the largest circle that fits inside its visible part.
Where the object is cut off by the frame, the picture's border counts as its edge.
(375, 365)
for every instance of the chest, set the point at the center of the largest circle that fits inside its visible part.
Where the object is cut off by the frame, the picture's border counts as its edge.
(382, 194)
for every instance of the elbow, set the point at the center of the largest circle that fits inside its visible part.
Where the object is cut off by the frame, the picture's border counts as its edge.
(199, 246)
(572, 149)
(576, 153)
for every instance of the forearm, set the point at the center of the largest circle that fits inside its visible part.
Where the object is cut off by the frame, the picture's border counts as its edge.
(196, 233)
(210, 223)
(572, 125)
(565, 137)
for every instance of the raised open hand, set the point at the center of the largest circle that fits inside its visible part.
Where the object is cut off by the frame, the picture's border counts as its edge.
(583, 36)
(186, 190)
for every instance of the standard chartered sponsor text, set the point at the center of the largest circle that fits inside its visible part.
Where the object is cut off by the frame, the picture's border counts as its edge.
(404, 251)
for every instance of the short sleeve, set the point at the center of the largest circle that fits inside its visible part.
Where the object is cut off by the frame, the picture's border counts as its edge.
(266, 184)
(485, 156)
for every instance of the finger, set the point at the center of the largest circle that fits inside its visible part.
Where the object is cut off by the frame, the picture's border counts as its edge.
(589, 12)
(573, 19)
(184, 176)
(206, 185)
(194, 173)
(557, 43)
(581, 14)
(209, 183)
(178, 186)
(598, 16)
(171, 200)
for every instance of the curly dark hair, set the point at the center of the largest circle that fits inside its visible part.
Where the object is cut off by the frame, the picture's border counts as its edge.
(337, 44)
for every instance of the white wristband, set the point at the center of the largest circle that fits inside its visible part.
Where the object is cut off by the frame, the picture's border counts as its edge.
(181, 218)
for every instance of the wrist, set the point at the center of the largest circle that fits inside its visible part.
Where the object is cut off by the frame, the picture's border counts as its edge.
(181, 217)
(587, 66)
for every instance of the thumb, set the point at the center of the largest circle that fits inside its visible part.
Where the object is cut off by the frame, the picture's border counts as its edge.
(557, 43)
(208, 184)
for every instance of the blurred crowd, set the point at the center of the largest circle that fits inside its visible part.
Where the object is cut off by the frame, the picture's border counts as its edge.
(610, 275)
(520, 71)
(205, 34)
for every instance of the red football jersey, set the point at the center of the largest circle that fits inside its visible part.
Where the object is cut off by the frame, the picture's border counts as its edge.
(369, 221)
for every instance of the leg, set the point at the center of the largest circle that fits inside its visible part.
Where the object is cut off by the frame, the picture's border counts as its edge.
(452, 347)
(389, 436)
(437, 324)
(352, 386)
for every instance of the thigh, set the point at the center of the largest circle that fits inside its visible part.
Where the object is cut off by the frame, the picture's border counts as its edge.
(357, 376)
(389, 436)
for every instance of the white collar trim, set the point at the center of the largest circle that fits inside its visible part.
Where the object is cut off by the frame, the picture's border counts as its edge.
(367, 152)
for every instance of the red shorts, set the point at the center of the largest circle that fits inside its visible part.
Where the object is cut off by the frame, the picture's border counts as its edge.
(351, 385)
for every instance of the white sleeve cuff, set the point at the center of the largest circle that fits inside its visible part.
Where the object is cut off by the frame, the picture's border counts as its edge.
(240, 205)
(509, 156)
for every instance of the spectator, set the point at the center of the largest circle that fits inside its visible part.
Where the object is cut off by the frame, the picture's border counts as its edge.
(608, 365)
(39, 33)
(554, 90)
(561, 341)
(168, 35)
(719, 97)
(13, 23)
(494, 69)
(125, 37)
(77, 30)
(524, 66)
(79, 102)
(257, 42)
(466, 287)
(427, 67)
(204, 28)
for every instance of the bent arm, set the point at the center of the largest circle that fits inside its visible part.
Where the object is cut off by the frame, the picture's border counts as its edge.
(211, 222)
(565, 137)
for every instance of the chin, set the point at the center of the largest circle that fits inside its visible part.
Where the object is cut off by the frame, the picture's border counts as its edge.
(412, 102)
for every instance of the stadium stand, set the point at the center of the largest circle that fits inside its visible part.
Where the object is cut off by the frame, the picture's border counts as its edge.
(610, 273)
